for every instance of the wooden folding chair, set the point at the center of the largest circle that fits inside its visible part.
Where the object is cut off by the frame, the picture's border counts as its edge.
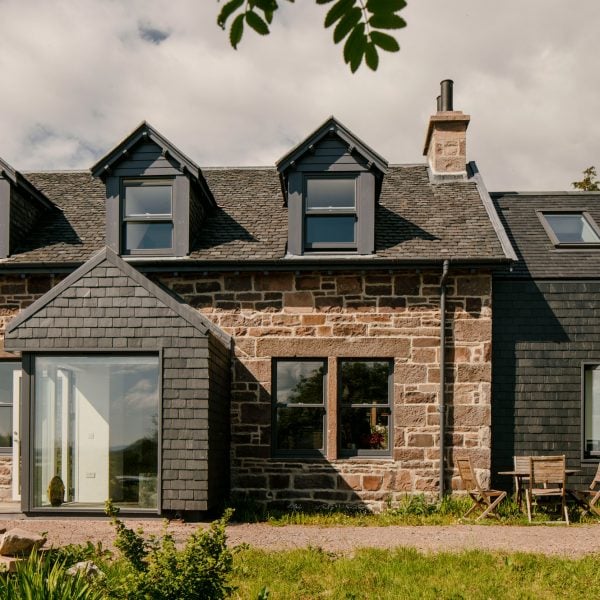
(520, 466)
(590, 497)
(547, 480)
(485, 500)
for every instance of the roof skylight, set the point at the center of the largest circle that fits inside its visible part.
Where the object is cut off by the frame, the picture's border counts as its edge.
(571, 228)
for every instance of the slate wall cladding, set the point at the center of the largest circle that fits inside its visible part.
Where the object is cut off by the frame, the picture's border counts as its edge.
(106, 310)
(542, 332)
(23, 215)
(371, 315)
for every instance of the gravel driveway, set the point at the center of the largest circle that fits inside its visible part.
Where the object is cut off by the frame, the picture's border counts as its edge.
(553, 539)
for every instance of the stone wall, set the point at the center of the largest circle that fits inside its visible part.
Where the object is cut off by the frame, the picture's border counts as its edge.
(338, 315)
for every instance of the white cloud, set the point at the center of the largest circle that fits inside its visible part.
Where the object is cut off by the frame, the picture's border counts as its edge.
(77, 76)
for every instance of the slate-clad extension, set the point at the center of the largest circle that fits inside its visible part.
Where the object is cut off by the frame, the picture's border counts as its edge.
(108, 306)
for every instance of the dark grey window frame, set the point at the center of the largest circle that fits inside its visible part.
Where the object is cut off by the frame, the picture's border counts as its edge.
(584, 455)
(28, 420)
(346, 452)
(550, 232)
(147, 182)
(7, 450)
(330, 212)
(286, 453)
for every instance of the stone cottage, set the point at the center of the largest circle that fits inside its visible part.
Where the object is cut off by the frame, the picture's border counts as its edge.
(318, 331)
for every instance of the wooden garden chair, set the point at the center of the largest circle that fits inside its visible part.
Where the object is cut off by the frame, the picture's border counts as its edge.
(547, 480)
(485, 500)
(521, 478)
(590, 497)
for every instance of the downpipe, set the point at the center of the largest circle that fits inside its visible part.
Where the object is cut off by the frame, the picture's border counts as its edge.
(442, 393)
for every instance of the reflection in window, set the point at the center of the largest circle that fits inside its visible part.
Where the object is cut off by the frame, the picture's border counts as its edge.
(591, 411)
(365, 406)
(96, 428)
(300, 406)
(9, 372)
(147, 216)
(571, 228)
(330, 213)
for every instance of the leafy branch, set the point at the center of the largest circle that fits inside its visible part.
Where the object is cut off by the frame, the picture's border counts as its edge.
(362, 24)
(589, 183)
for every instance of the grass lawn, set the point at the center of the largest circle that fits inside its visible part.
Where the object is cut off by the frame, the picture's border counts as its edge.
(405, 573)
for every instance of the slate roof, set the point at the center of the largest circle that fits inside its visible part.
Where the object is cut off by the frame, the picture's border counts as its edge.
(415, 220)
(537, 255)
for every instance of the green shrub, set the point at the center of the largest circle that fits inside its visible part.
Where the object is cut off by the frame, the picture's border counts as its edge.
(156, 569)
(40, 578)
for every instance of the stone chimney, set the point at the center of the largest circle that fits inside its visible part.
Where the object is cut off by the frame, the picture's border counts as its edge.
(446, 141)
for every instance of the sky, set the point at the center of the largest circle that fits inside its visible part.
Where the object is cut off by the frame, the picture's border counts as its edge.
(78, 75)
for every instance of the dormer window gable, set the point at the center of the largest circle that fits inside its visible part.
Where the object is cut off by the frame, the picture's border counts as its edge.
(331, 181)
(21, 207)
(156, 197)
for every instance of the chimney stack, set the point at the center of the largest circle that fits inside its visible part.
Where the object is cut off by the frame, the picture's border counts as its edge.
(446, 141)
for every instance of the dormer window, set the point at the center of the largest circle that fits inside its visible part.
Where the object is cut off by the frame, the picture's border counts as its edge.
(156, 197)
(571, 228)
(147, 216)
(331, 183)
(330, 219)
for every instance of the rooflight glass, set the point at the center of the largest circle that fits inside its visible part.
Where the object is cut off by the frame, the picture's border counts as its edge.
(572, 228)
(331, 193)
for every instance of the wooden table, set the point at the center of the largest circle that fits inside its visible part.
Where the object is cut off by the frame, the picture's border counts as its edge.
(520, 475)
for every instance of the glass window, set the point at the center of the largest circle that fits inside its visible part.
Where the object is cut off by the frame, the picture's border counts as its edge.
(572, 228)
(9, 371)
(147, 216)
(96, 431)
(591, 409)
(330, 213)
(365, 406)
(299, 392)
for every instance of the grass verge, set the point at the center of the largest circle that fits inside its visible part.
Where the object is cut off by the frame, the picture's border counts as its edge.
(405, 573)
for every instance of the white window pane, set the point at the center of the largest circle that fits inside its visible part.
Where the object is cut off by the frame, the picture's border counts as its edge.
(592, 411)
(147, 200)
(330, 193)
(571, 229)
(96, 428)
(148, 236)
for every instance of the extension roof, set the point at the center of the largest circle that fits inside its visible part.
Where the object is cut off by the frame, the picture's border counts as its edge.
(537, 256)
(416, 222)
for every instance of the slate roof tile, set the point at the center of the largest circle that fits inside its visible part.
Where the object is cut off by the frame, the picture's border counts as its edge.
(414, 219)
(538, 257)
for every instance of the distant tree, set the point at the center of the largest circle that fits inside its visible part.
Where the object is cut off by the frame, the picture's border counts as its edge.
(589, 183)
(359, 22)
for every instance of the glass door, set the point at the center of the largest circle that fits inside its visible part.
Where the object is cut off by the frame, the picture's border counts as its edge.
(16, 442)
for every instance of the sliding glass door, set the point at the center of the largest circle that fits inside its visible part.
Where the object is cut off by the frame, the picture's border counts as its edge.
(95, 431)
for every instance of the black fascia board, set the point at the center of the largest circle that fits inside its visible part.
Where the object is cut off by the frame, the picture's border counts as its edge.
(333, 125)
(200, 266)
(144, 131)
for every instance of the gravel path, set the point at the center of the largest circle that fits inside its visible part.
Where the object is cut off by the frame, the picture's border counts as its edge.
(553, 539)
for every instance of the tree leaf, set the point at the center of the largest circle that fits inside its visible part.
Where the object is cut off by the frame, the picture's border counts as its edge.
(354, 48)
(227, 10)
(257, 23)
(387, 21)
(337, 11)
(385, 6)
(322, 1)
(237, 30)
(371, 56)
(346, 24)
(385, 41)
